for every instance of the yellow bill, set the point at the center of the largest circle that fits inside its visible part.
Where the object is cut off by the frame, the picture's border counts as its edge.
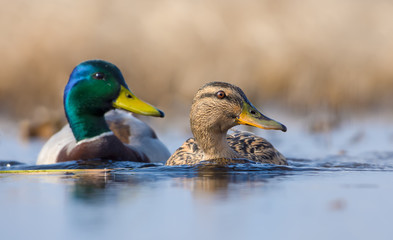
(128, 101)
(251, 116)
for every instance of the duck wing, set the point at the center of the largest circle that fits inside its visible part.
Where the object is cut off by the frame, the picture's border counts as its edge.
(137, 135)
(255, 148)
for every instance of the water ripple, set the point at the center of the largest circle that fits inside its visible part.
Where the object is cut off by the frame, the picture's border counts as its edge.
(372, 161)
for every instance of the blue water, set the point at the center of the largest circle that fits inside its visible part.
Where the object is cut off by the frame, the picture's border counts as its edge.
(337, 186)
(306, 200)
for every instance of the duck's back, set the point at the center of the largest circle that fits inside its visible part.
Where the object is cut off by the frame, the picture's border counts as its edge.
(137, 134)
(248, 145)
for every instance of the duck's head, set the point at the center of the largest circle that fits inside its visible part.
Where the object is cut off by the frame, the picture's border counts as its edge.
(97, 86)
(218, 106)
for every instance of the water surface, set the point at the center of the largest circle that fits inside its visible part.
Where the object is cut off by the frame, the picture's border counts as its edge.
(326, 194)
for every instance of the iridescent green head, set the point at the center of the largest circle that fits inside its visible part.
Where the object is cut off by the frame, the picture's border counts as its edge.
(94, 88)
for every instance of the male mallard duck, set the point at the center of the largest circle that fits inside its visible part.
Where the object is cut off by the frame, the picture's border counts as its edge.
(95, 87)
(216, 108)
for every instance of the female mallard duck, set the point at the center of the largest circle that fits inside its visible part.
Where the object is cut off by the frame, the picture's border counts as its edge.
(95, 87)
(216, 108)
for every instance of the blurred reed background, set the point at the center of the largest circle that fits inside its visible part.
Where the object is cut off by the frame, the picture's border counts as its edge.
(304, 56)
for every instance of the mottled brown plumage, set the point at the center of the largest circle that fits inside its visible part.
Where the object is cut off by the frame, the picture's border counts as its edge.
(216, 108)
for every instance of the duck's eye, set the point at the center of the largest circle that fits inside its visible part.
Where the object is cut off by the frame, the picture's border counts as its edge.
(99, 75)
(220, 94)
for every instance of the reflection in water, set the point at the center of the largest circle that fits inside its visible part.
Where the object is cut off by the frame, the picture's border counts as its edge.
(220, 183)
(94, 182)
(212, 182)
(207, 181)
(101, 181)
(89, 186)
(240, 202)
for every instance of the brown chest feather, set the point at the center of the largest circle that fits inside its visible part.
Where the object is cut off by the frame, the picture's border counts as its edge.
(104, 148)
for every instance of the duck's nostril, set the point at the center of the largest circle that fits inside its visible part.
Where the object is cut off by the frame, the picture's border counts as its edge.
(129, 96)
(252, 112)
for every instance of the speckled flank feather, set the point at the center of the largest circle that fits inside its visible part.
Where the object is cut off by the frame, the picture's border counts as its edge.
(246, 144)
